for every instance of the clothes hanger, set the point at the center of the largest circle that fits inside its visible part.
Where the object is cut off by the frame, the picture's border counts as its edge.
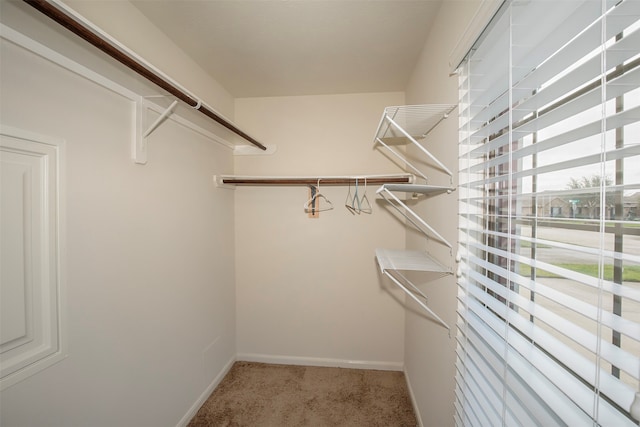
(365, 201)
(309, 205)
(356, 200)
(349, 207)
(313, 191)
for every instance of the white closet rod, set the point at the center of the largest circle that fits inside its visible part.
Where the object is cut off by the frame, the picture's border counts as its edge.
(63, 15)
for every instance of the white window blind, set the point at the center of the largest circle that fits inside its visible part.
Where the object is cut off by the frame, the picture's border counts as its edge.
(548, 328)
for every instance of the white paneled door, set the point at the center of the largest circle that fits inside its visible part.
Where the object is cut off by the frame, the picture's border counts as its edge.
(30, 241)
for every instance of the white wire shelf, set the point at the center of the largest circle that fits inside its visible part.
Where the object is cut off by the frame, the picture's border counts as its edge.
(416, 121)
(427, 190)
(409, 123)
(406, 260)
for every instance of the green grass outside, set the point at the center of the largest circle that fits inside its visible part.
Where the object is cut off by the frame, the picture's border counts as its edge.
(625, 225)
(526, 244)
(557, 220)
(629, 274)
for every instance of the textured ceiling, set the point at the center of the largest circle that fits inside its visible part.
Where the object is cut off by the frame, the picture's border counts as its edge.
(298, 47)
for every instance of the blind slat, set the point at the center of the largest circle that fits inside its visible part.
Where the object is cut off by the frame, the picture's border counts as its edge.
(535, 412)
(581, 132)
(571, 331)
(631, 293)
(541, 385)
(617, 87)
(572, 388)
(574, 333)
(593, 282)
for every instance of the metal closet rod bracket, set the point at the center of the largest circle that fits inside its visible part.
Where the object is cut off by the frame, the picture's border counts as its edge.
(142, 131)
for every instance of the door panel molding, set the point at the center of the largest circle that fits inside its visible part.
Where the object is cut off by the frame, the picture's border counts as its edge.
(32, 299)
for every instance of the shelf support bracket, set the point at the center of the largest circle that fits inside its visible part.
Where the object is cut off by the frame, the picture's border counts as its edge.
(417, 300)
(409, 214)
(395, 153)
(138, 141)
(161, 118)
(417, 144)
(139, 149)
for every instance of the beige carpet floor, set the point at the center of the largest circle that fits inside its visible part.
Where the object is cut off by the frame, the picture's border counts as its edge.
(263, 395)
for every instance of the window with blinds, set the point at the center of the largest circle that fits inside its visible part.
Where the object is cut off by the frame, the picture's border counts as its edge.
(549, 198)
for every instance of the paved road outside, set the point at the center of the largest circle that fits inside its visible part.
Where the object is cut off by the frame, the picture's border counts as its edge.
(631, 245)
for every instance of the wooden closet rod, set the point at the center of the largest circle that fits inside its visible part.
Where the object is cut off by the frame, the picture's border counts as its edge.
(108, 47)
(374, 180)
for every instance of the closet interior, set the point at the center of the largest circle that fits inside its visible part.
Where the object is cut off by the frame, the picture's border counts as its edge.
(399, 126)
(244, 274)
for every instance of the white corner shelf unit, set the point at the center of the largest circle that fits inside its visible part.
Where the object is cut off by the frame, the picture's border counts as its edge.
(408, 125)
(404, 260)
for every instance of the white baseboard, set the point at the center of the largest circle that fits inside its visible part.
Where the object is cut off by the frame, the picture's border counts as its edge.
(205, 394)
(413, 399)
(319, 361)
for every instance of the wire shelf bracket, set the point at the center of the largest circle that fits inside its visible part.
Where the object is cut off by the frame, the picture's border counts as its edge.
(409, 123)
(393, 262)
(420, 224)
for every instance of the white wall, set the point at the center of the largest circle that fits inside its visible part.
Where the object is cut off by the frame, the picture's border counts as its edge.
(308, 290)
(149, 258)
(429, 352)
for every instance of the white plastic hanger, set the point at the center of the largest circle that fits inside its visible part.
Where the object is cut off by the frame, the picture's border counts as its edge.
(309, 205)
(356, 200)
(350, 199)
(363, 204)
